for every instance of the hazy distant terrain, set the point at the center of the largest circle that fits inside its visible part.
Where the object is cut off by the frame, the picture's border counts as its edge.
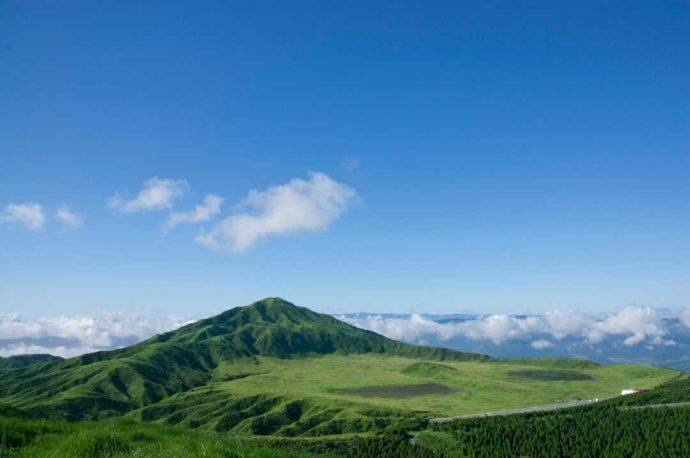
(637, 335)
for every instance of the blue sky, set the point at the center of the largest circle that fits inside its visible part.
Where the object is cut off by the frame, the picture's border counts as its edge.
(489, 157)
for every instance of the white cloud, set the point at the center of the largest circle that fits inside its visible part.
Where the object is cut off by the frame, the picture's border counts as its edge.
(639, 322)
(30, 215)
(68, 217)
(562, 324)
(633, 325)
(298, 206)
(73, 335)
(541, 344)
(664, 342)
(63, 351)
(685, 317)
(412, 328)
(200, 213)
(497, 328)
(157, 194)
(80, 334)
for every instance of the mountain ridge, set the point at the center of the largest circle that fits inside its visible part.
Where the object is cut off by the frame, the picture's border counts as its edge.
(108, 383)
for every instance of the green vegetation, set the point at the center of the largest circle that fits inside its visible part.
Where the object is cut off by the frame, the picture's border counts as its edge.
(429, 370)
(672, 392)
(19, 361)
(274, 376)
(605, 429)
(337, 394)
(596, 430)
(556, 363)
(107, 384)
(24, 437)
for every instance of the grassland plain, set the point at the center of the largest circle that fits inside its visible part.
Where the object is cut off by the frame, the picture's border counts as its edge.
(314, 396)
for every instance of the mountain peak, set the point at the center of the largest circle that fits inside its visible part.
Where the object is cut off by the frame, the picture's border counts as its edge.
(179, 360)
(273, 310)
(272, 302)
(276, 327)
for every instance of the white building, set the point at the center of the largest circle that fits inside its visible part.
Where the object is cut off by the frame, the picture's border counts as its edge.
(633, 391)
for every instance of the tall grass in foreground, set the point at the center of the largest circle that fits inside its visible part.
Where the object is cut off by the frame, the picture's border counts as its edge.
(21, 437)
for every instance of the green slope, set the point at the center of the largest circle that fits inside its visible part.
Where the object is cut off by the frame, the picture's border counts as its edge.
(104, 384)
(653, 423)
(373, 393)
(21, 436)
(635, 428)
(19, 361)
(279, 375)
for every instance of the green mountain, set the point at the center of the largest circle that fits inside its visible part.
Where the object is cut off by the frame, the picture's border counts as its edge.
(274, 376)
(111, 383)
(19, 361)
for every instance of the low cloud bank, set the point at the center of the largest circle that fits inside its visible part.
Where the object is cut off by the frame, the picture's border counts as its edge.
(68, 336)
(632, 325)
(633, 329)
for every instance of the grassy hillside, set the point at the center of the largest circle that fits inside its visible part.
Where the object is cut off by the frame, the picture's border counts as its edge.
(21, 436)
(276, 375)
(105, 384)
(655, 423)
(338, 394)
(605, 429)
(19, 361)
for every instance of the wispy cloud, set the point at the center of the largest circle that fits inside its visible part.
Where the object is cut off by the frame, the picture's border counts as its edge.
(200, 213)
(298, 206)
(350, 164)
(70, 218)
(156, 194)
(30, 215)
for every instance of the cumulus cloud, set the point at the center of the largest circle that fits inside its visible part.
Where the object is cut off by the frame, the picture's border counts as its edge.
(685, 317)
(200, 213)
(68, 217)
(412, 328)
(156, 194)
(497, 328)
(30, 215)
(73, 335)
(541, 344)
(638, 323)
(632, 325)
(665, 342)
(298, 206)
